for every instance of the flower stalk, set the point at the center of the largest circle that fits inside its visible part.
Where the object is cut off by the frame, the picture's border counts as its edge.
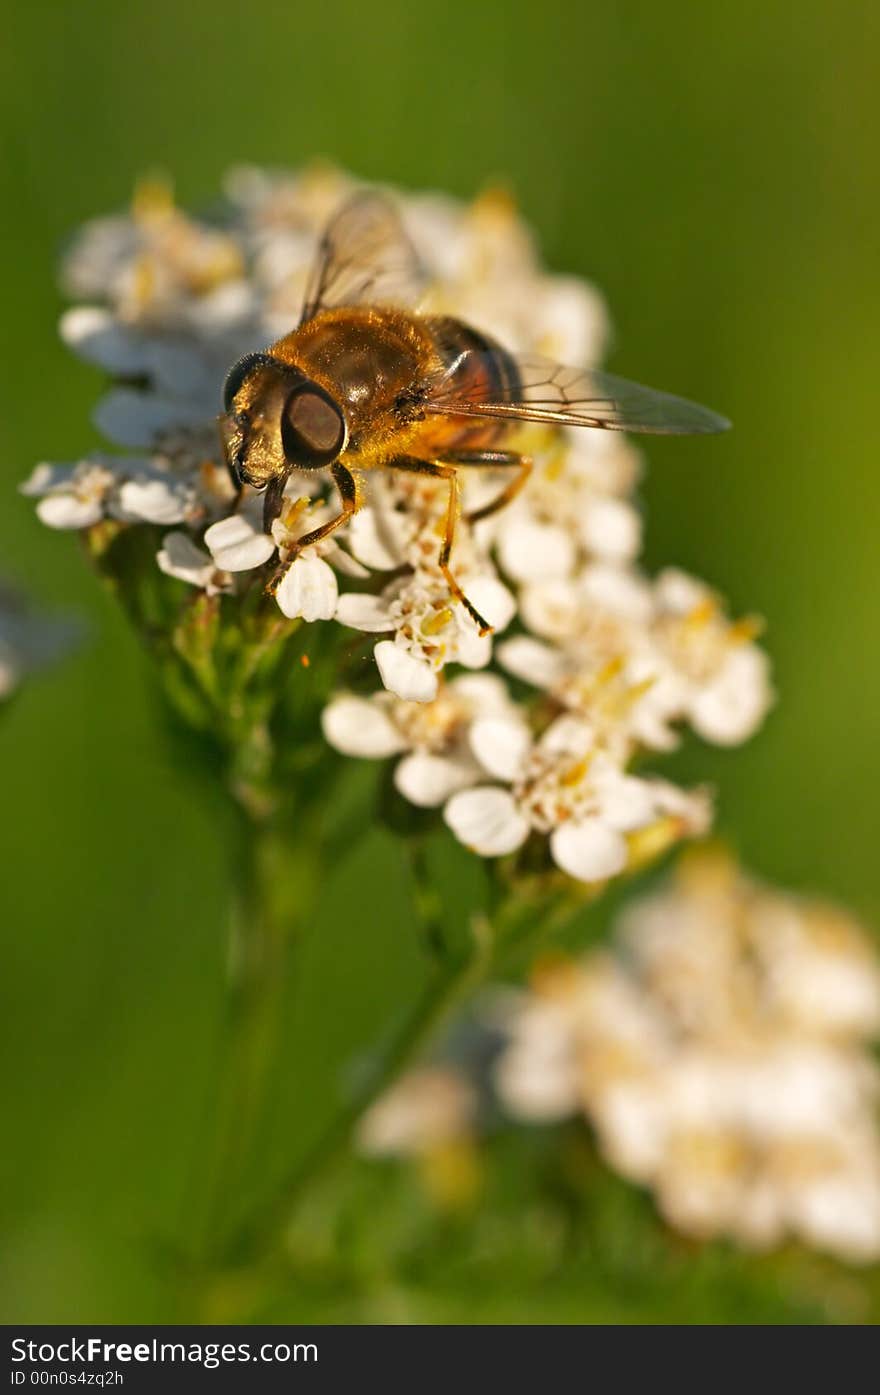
(456, 973)
(277, 879)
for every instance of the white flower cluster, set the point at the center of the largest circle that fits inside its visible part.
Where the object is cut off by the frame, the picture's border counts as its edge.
(722, 1055)
(428, 1108)
(614, 660)
(429, 1115)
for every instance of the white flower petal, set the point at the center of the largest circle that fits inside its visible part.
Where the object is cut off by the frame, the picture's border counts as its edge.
(237, 545)
(678, 592)
(612, 528)
(134, 418)
(404, 674)
(552, 609)
(693, 807)
(473, 650)
(180, 557)
(589, 850)
(429, 1106)
(532, 551)
(377, 538)
(839, 1210)
(308, 589)
(485, 692)
(427, 780)
(487, 820)
(152, 501)
(64, 510)
(631, 1118)
(360, 727)
(619, 590)
(434, 223)
(287, 535)
(500, 744)
(531, 661)
(363, 612)
(493, 600)
(45, 477)
(342, 561)
(626, 802)
(97, 336)
(606, 459)
(570, 320)
(731, 708)
(536, 1086)
(172, 363)
(569, 736)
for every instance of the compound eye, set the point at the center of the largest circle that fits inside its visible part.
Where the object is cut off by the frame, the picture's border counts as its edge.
(237, 374)
(312, 427)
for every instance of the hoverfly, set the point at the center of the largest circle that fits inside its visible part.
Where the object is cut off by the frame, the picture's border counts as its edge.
(361, 384)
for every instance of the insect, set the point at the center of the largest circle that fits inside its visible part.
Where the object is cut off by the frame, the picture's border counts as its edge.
(364, 383)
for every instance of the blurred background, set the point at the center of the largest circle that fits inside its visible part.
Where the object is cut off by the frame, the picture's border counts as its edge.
(712, 169)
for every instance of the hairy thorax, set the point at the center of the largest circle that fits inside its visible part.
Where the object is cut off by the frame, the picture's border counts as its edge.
(370, 361)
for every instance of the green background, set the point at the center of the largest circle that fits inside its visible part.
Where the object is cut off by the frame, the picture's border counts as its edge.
(713, 169)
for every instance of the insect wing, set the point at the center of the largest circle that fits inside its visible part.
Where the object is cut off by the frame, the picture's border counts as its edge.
(543, 391)
(364, 255)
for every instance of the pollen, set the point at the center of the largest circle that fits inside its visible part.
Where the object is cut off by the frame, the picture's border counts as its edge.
(153, 198)
(143, 282)
(703, 613)
(433, 624)
(575, 773)
(612, 669)
(745, 630)
(647, 844)
(496, 201)
(555, 468)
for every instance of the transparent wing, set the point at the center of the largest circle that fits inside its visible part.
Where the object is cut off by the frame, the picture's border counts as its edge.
(542, 391)
(363, 255)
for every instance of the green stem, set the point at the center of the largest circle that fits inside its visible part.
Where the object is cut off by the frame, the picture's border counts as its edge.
(448, 985)
(274, 895)
(253, 1245)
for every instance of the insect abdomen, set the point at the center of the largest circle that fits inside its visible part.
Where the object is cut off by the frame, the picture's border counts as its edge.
(476, 367)
(478, 364)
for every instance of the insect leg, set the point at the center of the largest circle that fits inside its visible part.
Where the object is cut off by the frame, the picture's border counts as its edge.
(450, 474)
(272, 500)
(489, 458)
(348, 495)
